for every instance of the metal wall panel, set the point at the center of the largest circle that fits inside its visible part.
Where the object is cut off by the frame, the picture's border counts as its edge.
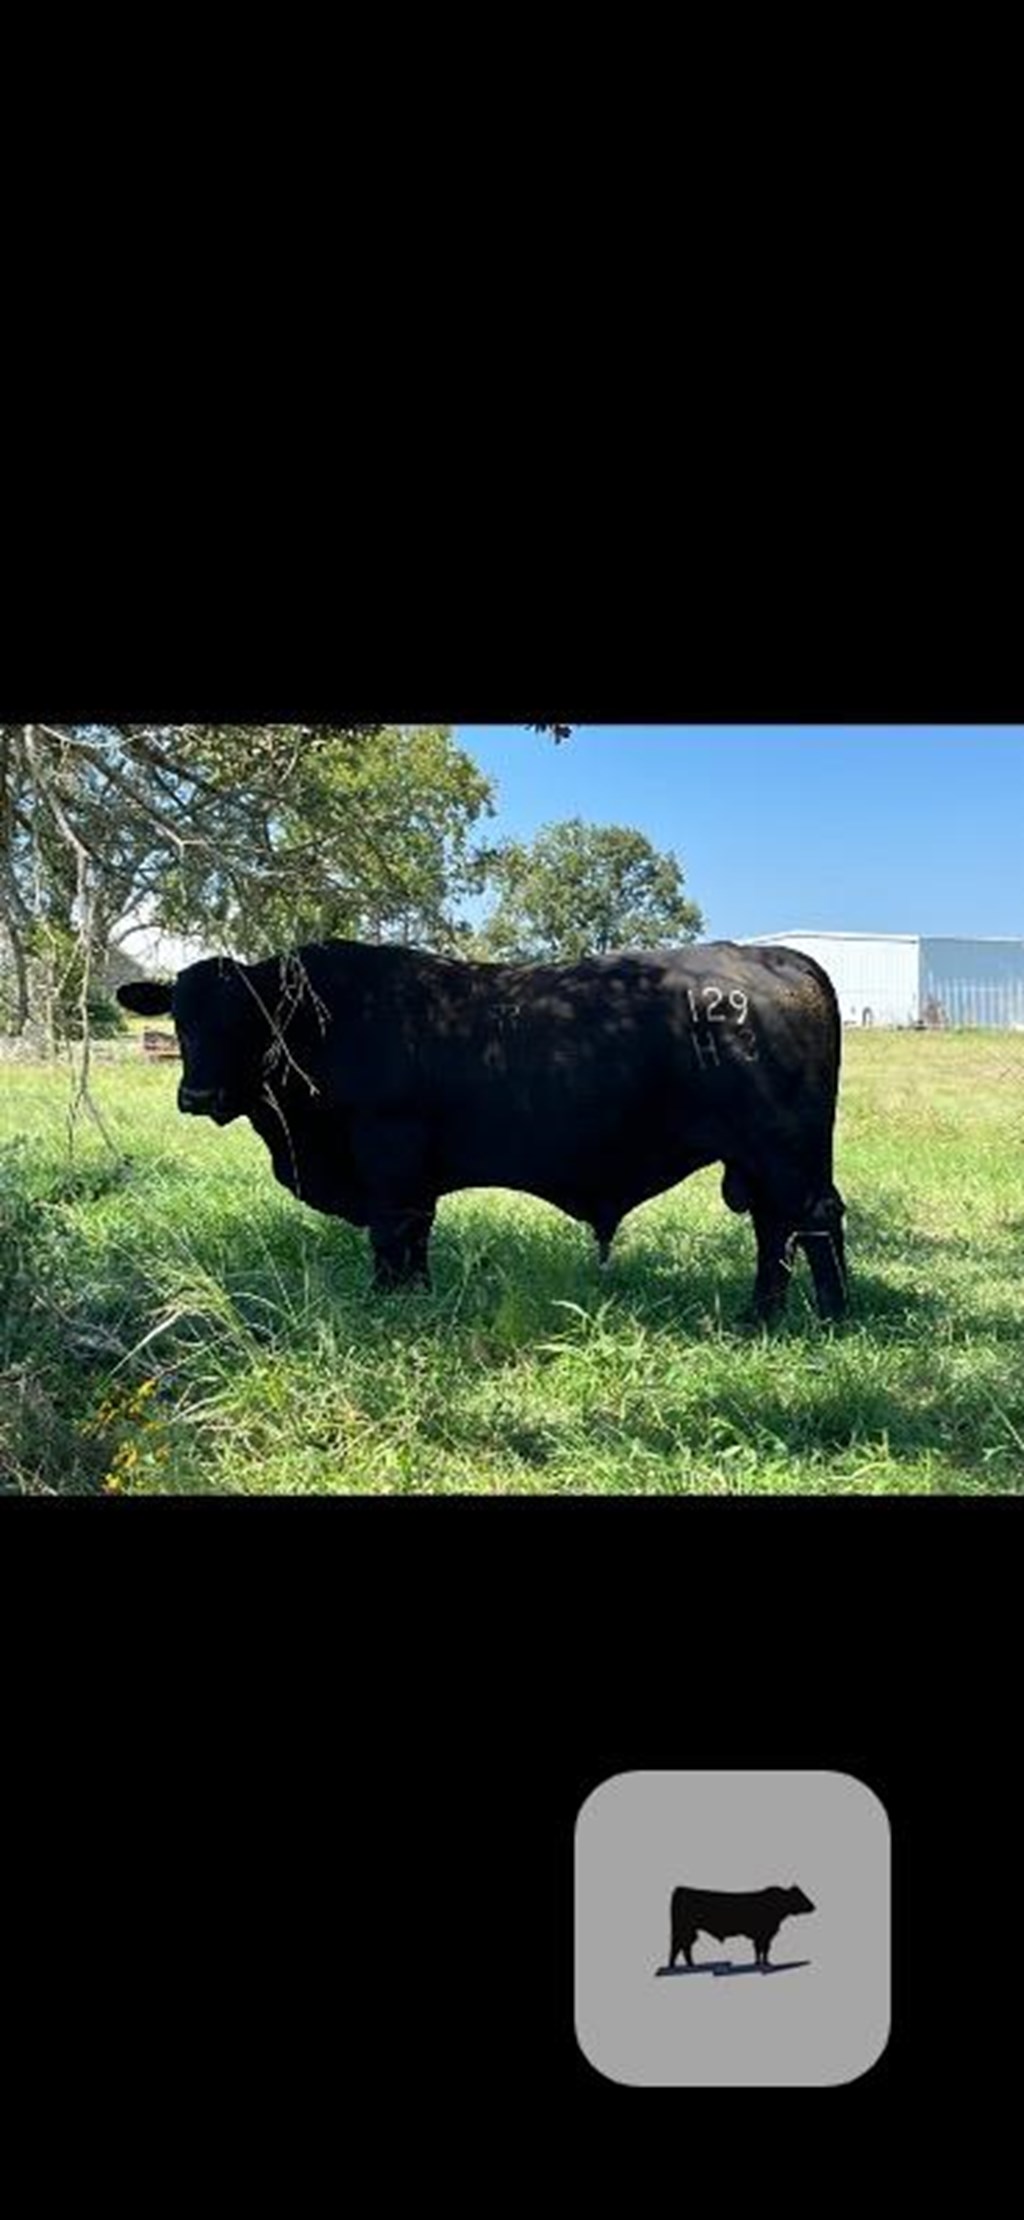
(875, 975)
(972, 982)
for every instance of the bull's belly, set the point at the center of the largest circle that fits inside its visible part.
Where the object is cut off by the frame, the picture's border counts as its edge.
(585, 1188)
(591, 1171)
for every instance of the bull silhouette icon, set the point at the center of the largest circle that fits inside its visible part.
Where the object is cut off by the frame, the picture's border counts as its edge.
(722, 1913)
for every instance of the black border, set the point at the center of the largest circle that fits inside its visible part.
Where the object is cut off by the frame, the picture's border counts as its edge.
(380, 1717)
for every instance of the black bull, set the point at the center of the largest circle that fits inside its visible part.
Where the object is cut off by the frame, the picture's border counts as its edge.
(381, 1078)
(724, 1912)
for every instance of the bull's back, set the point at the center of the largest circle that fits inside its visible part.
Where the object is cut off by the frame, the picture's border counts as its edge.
(698, 1907)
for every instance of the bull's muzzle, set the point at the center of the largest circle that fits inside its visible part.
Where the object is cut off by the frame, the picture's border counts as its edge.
(201, 1102)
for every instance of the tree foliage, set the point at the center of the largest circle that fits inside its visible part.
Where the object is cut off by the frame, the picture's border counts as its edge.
(248, 837)
(578, 890)
(254, 838)
(366, 835)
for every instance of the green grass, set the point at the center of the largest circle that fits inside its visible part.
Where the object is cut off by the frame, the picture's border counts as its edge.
(176, 1322)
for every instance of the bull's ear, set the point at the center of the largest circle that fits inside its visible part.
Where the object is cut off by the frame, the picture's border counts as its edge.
(147, 997)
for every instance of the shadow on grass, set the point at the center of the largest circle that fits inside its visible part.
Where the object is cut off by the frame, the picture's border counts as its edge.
(689, 1281)
(282, 1270)
(80, 1300)
(657, 1292)
(881, 1432)
(664, 1281)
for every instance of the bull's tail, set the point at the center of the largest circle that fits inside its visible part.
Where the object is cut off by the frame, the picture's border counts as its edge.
(835, 1039)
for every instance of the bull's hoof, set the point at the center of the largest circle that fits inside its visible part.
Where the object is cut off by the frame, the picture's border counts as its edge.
(756, 1320)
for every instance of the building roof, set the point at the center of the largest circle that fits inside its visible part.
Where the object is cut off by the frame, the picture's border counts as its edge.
(818, 932)
(815, 932)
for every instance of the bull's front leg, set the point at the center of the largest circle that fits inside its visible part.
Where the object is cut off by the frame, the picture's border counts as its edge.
(391, 1154)
(400, 1240)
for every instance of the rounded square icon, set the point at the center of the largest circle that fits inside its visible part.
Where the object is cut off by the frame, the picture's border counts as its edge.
(732, 1929)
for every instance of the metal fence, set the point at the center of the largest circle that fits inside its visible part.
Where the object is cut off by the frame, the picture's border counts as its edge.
(996, 1004)
(26, 1048)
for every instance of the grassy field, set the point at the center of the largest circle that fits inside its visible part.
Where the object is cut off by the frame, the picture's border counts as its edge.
(175, 1322)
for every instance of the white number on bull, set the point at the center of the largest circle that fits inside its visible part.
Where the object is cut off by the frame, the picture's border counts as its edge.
(738, 1006)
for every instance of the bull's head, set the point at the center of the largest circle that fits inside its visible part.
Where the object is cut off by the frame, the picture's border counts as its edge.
(798, 1902)
(220, 1030)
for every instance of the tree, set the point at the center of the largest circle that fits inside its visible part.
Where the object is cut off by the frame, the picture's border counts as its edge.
(249, 837)
(579, 890)
(369, 836)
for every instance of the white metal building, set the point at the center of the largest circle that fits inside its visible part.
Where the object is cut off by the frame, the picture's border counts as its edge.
(916, 978)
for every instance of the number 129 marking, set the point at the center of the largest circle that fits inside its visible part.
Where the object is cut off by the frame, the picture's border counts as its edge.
(712, 996)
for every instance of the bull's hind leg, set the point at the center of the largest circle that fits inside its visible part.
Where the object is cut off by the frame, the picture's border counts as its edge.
(774, 1234)
(784, 1215)
(821, 1238)
(774, 1225)
(684, 1943)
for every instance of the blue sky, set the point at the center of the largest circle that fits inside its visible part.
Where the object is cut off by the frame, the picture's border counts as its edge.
(883, 828)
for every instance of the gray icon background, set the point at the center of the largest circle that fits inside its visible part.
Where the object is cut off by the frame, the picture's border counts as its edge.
(638, 1835)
